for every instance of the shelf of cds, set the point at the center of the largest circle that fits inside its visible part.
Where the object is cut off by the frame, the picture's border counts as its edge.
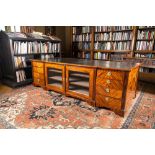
(18, 49)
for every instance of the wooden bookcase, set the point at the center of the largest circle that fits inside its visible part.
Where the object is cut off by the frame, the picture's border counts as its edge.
(16, 52)
(106, 42)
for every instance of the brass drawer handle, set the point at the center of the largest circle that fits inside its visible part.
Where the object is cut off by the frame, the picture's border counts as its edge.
(108, 81)
(107, 90)
(109, 73)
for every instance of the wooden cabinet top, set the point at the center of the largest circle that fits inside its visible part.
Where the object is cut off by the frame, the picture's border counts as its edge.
(92, 63)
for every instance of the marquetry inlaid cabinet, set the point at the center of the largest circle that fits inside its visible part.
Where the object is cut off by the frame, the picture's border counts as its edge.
(100, 83)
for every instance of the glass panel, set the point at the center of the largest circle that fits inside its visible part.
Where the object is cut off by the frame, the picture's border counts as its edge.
(54, 77)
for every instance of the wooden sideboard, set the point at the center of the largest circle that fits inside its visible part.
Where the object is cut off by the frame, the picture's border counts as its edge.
(106, 84)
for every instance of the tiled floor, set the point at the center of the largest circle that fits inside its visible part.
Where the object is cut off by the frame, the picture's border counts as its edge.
(33, 107)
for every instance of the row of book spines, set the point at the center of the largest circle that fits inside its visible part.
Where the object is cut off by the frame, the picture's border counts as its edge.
(146, 27)
(137, 55)
(99, 55)
(145, 35)
(114, 36)
(84, 55)
(83, 29)
(113, 46)
(106, 56)
(112, 28)
(78, 38)
(144, 45)
(21, 76)
(34, 47)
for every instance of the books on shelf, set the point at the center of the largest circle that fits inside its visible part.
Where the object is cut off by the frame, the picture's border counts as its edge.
(113, 46)
(87, 56)
(77, 29)
(149, 55)
(145, 34)
(122, 36)
(103, 36)
(20, 62)
(85, 29)
(146, 27)
(100, 55)
(103, 46)
(86, 37)
(77, 38)
(118, 28)
(20, 75)
(35, 47)
(86, 45)
(117, 56)
(82, 37)
(144, 45)
(103, 28)
(122, 45)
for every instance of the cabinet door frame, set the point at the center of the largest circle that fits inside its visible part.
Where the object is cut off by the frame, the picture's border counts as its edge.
(91, 72)
(55, 88)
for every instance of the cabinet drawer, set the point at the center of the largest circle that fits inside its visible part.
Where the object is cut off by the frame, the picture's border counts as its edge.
(37, 64)
(110, 74)
(107, 91)
(38, 70)
(105, 101)
(39, 81)
(38, 75)
(113, 84)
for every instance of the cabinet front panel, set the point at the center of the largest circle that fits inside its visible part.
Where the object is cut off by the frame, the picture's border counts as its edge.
(110, 74)
(38, 70)
(38, 75)
(112, 84)
(55, 77)
(105, 101)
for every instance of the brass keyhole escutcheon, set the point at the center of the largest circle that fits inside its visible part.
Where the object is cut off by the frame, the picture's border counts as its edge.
(107, 90)
(108, 81)
(107, 98)
(109, 73)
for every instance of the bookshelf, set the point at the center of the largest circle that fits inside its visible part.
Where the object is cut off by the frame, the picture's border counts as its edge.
(105, 42)
(82, 42)
(18, 49)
